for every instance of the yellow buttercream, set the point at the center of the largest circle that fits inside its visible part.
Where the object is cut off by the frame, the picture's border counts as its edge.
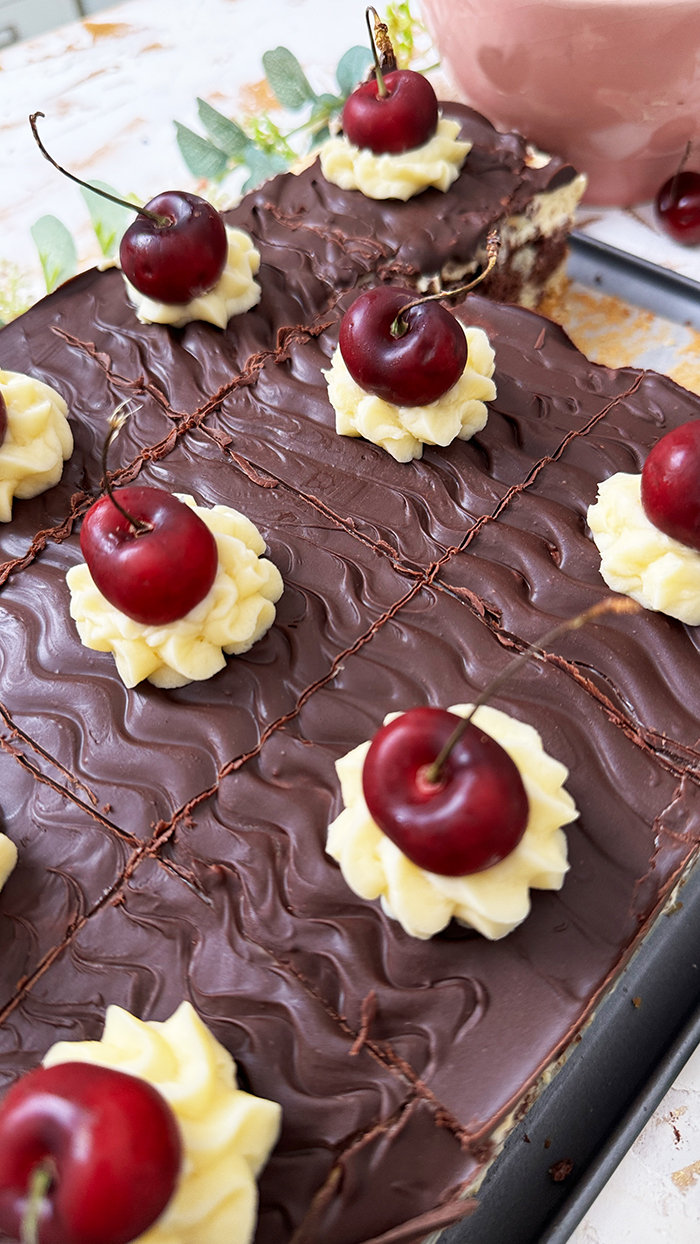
(227, 1135)
(494, 901)
(234, 615)
(38, 439)
(437, 163)
(8, 858)
(404, 430)
(639, 560)
(235, 291)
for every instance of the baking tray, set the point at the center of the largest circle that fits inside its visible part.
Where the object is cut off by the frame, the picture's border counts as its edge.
(647, 1028)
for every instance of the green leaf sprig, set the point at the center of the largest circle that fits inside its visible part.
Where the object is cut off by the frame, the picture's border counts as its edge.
(57, 253)
(407, 33)
(258, 143)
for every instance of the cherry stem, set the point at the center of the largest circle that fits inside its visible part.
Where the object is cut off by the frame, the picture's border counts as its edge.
(382, 34)
(611, 604)
(116, 422)
(400, 326)
(161, 221)
(39, 1184)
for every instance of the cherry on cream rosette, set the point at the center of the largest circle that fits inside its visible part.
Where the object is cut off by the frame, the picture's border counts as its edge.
(426, 864)
(170, 587)
(407, 373)
(647, 528)
(457, 813)
(395, 143)
(35, 439)
(227, 1134)
(180, 261)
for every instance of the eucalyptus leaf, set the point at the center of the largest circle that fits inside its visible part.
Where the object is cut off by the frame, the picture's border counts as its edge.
(225, 133)
(352, 67)
(261, 165)
(56, 249)
(320, 137)
(287, 78)
(109, 220)
(202, 158)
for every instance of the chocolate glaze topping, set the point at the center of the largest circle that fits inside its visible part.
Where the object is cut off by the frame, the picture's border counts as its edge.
(172, 843)
(394, 239)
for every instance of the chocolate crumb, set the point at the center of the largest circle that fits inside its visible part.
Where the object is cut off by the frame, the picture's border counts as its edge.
(548, 1142)
(526, 1138)
(636, 1003)
(106, 807)
(561, 1170)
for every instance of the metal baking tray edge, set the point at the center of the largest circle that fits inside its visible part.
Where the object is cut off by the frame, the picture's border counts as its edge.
(612, 271)
(649, 1025)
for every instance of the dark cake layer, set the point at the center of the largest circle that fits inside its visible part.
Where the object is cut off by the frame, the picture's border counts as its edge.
(171, 843)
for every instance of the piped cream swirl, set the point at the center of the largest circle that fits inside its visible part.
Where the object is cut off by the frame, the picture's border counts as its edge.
(437, 163)
(8, 858)
(639, 560)
(234, 292)
(227, 1134)
(404, 430)
(494, 901)
(236, 612)
(37, 442)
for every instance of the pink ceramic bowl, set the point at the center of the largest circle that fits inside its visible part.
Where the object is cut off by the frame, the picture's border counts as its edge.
(613, 85)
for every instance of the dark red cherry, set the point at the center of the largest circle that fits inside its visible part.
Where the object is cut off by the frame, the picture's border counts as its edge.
(406, 118)
(411, 370)
(3, 418)
(474, 816)
(678, 207)
(177, 261)
(111, 1142)
(156, 576)
(671, 484)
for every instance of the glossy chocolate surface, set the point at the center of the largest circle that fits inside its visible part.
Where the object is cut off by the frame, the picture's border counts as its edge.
(172, 843)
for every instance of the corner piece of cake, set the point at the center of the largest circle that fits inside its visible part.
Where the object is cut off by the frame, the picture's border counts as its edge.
(438, 238)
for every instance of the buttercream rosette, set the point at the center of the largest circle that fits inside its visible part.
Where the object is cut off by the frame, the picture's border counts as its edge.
(403, 430)
(639, 560)
(385, 176)
(234, 292)
(227, 1134)
(37, 442)
(236, 612)
(493, 901)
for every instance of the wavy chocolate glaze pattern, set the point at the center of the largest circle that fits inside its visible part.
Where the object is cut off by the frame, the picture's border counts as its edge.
(172, 843)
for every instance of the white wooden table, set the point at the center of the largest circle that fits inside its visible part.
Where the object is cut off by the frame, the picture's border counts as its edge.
(111, 88)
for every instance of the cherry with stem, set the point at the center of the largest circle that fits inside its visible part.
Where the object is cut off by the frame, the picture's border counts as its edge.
(395, 110)
(445, 792)
(406, 350)
(176, 248)
(149, 554)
